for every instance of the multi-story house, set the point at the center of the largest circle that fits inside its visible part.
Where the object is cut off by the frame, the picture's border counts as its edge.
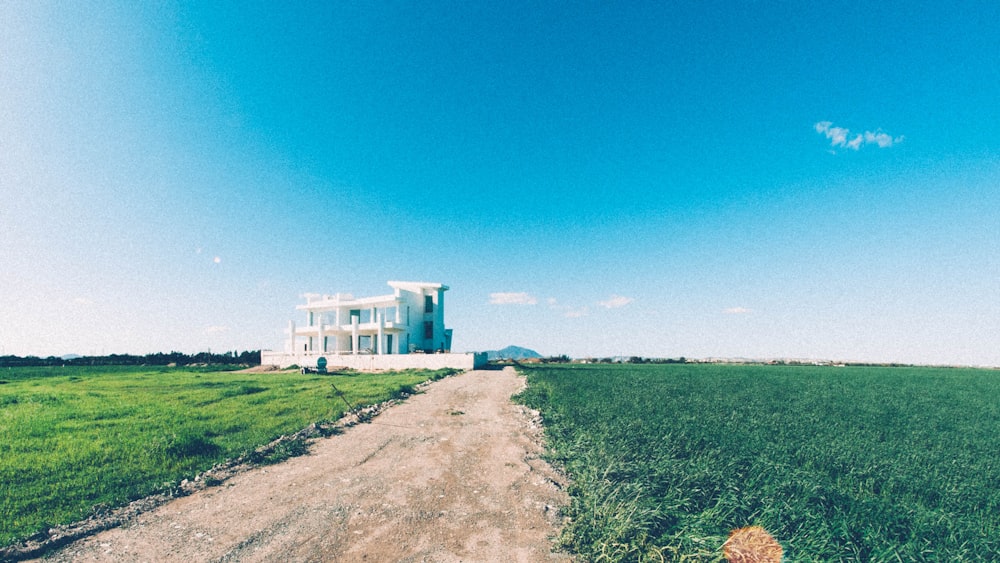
(363, 333)
(409, 320)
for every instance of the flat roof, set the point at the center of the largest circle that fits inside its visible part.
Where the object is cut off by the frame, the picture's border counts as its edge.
(411, 286)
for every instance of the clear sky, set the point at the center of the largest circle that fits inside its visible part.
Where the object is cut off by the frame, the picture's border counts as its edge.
(734, 179)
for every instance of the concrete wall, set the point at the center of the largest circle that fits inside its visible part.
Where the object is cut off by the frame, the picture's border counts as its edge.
(372, 362)
(414, 333)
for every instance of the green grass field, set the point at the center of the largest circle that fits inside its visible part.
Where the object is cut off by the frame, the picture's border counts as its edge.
(76, 438)
(839, 464)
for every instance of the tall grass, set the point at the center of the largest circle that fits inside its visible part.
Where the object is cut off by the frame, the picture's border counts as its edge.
(839, 464)
(74, 440)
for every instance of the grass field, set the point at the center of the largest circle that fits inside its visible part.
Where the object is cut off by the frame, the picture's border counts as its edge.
(839, 464)
(76, 438)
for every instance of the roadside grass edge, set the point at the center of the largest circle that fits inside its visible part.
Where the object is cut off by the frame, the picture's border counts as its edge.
(284, 447)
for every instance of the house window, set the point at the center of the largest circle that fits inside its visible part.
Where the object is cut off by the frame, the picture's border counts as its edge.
(428, 304)
(429, 330)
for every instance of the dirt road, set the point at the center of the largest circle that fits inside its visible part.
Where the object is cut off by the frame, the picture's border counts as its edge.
(451, 474)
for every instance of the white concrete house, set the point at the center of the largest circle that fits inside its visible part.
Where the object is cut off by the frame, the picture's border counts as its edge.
(395, 331)
(411, 319)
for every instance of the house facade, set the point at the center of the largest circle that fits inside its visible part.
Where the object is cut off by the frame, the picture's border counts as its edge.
(395, 331)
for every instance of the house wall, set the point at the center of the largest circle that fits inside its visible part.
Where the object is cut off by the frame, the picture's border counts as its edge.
(412, 309)
(374, 362)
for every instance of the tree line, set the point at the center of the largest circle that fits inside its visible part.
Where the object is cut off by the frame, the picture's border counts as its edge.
(233, 357)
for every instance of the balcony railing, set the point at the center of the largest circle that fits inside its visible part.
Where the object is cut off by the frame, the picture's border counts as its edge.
(348, 329)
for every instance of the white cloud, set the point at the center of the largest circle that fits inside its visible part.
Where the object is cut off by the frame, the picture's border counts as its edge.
(838, 137)
(216, 329)
(883, 140)
(737, 311)
(82, 301)
(512, 298)
(615, 301)
(566, 310)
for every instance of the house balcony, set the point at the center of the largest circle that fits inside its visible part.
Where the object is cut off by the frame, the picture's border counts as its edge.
(363, 328)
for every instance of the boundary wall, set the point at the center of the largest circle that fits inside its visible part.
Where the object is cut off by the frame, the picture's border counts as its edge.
(375, 362)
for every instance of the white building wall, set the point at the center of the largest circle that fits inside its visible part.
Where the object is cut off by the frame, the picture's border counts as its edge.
(374, 362)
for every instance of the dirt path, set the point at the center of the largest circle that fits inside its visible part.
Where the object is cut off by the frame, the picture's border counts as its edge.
(452, 474)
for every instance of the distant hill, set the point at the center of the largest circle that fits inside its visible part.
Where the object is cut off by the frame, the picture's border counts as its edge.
(512, 353)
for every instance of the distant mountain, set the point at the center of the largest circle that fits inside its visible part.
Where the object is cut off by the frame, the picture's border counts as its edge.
(512, 353)
(70, 357)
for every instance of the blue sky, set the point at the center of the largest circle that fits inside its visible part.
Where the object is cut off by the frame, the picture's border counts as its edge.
(752, 179)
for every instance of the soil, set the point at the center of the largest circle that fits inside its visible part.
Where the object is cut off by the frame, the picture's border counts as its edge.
(451, 474)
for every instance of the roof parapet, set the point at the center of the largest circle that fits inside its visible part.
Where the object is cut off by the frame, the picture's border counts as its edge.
(417, 286)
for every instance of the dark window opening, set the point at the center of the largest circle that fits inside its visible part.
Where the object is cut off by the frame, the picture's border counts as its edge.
(428, 304)
(429, 330)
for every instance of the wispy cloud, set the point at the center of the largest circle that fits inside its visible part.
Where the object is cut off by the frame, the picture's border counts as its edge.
(883, 140)
(574, 312)
(83, 301)
(615, 301)
(215, 329)
(842, 137)
(566, 310)
(737, 311)
(512, 298)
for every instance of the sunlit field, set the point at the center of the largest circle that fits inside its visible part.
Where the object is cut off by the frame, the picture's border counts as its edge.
(839, 464)
(76, 439)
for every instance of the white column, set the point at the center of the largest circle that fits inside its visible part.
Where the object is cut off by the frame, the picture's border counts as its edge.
(319, 335)
(354, 335)
(291, 338)
(381, 334)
